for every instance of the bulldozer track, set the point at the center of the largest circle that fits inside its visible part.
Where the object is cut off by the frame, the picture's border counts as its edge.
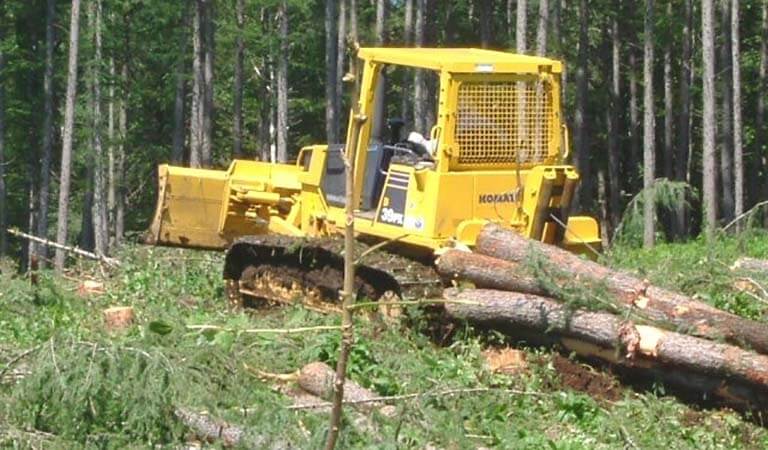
(273, 269)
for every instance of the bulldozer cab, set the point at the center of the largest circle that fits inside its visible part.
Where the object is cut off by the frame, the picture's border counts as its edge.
(490, 111)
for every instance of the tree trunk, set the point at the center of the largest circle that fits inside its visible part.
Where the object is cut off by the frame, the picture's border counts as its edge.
(66, 147)
(208, 60)
(273, 131)
(726, 118)
(44, 190)
(510, 20)
(86, 218)
(237, 126)
(111, 175)
(122, 123)
(282, 86)
(634, 126)
(709, 125)
(198, 87)
(668, 104)
(486, 23)
(649, 132)
(541, 29)
(3, 192)
(99, 217)
(602, 202)
(580, 117)
(353, 21)
(341, 58)
(761, 131)
(177, 153)
(419, 83)
(557, 18)
(331, 104)
(431, 28)
(265, 111)
(683, 127)
(658, 305)
(379, 113)
(407, 100)
(614, 153)
(521, 27)
(609, 338)
(738, 152)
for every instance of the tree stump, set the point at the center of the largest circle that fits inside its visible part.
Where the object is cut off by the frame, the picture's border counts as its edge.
(118, 318)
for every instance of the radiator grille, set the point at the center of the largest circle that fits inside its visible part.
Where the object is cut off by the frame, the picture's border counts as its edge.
(504, 123)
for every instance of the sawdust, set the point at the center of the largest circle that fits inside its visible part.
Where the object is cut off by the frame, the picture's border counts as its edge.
(508, 361)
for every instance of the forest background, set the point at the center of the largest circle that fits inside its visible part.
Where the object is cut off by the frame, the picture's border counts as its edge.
(666, 98)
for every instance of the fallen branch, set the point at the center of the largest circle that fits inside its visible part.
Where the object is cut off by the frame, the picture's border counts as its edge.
(18, 358)
(745, 214)
(722, 370)
(444, 393)
(282, 377)
(78, 251)
(657, 305)
(363, 305)
(265, 330)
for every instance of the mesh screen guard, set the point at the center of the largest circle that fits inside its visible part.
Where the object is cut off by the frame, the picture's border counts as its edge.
(504, 122)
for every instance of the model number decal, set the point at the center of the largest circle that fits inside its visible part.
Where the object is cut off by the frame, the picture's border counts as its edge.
(388, 215)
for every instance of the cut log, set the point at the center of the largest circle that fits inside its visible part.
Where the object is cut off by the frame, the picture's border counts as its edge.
(751, 265)
(303, 400)
(728, 372)
(317, 379)
(487, 272)
(118, 318)
(660, 306)
(209, 429)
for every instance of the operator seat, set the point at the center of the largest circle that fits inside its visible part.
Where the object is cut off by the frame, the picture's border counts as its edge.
(334, 182)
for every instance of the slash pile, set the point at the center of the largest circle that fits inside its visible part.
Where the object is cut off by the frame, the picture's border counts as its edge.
(546, 294)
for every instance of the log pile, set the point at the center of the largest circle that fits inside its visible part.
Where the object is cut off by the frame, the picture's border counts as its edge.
(526, 288)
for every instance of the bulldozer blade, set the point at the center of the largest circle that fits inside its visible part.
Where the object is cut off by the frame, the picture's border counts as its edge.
(189, 203)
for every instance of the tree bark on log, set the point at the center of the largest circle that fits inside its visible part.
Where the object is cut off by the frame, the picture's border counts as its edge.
(317, 379)
(209, 429)
(751, 265)
(487, 272)
(726, 371)
(656, 304)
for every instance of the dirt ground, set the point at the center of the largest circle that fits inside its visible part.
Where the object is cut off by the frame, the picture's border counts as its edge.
(580, 377)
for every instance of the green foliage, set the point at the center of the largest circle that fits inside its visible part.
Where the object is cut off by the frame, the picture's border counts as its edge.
(87, 388)
(665, 194)
(701, 268)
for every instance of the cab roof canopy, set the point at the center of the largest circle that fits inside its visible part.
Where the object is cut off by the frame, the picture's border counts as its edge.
(463, 60)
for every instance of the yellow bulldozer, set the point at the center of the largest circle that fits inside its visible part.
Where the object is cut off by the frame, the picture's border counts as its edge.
(496, 153)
